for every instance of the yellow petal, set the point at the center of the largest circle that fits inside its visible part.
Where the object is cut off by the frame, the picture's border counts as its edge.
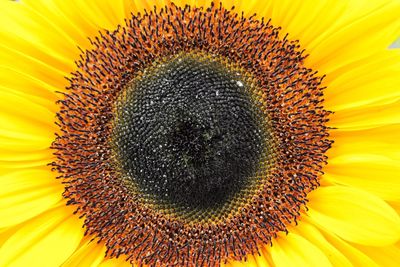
(68, 24)
(6, 233)
(265, 258)
(47, 240)
(311, 21)
(379, 141)
(333, 33)
(8, 155)
(396, 206)
(295, 250)
(27, 130)
(363, 35)
(33, 72)
(27, 193)
(22, 118)
(25, 147)
(89, 254)
(251, 261)
(302, 20)
(40, 43)
(38, 85)
(363, 82)
(25, 31)
(354, 215)
(367, 159)
(355, 256)
(312, 234)
(375, 174)
(365, 117)
(262, 260)
(12, 160)
(384, 256)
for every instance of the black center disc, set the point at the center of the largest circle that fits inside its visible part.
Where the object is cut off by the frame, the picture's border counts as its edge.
(187, 133)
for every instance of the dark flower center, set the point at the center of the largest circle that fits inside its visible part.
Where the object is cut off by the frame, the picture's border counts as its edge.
(187, 134)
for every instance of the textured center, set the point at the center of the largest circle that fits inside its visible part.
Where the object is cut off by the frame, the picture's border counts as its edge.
(187, 134)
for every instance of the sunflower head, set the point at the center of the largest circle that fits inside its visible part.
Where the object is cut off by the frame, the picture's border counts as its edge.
(199, 134)
(199, 125)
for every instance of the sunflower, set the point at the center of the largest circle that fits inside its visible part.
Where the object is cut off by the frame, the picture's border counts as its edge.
(254, 133)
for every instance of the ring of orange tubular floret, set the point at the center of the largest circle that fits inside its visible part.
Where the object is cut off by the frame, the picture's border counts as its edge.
(288, 93)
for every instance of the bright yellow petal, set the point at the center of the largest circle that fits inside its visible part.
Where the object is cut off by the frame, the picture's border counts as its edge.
(264, 259)
(356, 257)
(6, 233)
(251, 261)
(26, 131)
(312, 234)
(310, 20)
(90, 254)
(384, 256)
(14, 160)
(31, 33)
(354, 215)
(302, 20)
(365, 117)
(33, 122)
(38, 48)
(21, 118)
(50, 238)
(334, 33)
(363, 35)
(367, 159)
(377, 141)
(41, 39)
(346, 41)
(32, 85)
(294, 250)
(375, 174)
(396, 206)
(363, 82)
(27, 193)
